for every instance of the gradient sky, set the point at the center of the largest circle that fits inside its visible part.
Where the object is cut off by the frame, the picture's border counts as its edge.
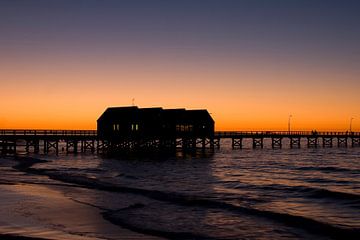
(251, 63)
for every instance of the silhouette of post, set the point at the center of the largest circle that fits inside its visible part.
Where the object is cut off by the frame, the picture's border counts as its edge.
(351, 119)
(289, 122)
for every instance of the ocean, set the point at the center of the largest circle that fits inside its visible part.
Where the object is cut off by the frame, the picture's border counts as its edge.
(306, 193)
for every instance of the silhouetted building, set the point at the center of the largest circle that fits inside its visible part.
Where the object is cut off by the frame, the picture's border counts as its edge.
(132, 123)
(133, 128)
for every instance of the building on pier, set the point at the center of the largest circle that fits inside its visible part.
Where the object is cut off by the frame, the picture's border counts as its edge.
(155, 127)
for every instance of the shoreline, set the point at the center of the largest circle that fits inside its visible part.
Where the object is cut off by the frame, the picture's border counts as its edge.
(18, 237)
(43, 211)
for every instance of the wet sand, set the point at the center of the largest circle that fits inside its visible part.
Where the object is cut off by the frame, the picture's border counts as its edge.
(43, 211)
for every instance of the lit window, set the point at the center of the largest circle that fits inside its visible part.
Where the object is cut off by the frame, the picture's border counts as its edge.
(134, 127)
(116, 127)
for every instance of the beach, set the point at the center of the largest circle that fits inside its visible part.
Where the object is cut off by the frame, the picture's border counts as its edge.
(40, 209)
(227, 194)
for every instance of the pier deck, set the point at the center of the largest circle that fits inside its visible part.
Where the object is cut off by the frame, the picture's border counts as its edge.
(313, 138)
(46, 141)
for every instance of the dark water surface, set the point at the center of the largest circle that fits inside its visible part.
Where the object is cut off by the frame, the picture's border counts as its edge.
(231, 194)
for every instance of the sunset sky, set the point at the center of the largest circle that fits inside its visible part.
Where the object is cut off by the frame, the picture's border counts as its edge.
(251, 63)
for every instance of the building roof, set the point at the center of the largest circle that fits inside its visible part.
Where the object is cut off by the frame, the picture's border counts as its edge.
(117, 111)
(134, 111)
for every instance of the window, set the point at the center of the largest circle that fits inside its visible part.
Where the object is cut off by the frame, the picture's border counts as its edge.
(184, 128)
(135, 127)
(116, 127)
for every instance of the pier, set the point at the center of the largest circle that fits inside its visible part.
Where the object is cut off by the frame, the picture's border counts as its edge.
(294, 138)
(81, 141)
(48, 141)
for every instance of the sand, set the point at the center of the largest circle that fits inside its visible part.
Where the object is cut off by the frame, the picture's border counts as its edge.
(43, 211)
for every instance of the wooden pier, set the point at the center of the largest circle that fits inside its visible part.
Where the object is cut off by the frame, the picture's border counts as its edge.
(75, 141)
(294, 138)
(46, 141)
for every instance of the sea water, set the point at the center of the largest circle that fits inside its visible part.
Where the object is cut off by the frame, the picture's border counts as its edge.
(306, 193)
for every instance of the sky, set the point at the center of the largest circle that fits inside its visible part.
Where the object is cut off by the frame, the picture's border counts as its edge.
(251, 63)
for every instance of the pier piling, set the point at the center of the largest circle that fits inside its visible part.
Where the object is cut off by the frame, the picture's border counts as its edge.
(276, 142)
(258, 142)
(295, 142)
(342, 141)
(327, 141)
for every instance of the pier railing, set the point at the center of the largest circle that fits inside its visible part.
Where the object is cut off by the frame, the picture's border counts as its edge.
(23, 132)
(221, 134)
(225, 134)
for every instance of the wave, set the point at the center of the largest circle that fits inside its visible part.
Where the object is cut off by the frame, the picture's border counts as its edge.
(308, 224)
(112, 217)
(312, 192)
(326, 193)
(329, 169)
(322, 180)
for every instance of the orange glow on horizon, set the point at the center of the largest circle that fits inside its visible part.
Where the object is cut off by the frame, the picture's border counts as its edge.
(257, 96)
(226, 119)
